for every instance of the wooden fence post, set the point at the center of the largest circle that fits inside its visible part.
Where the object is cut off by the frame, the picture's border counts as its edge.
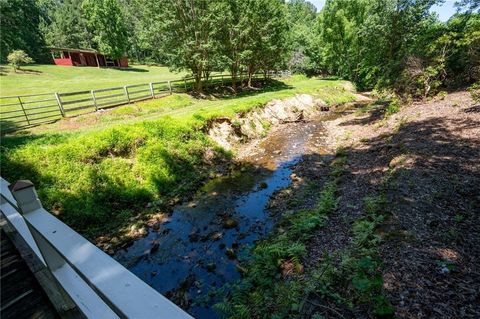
(60, 106)
(185, 81)
(125, 88)
(23, 109)
(170, 87)
(152, 92)
(94, 99)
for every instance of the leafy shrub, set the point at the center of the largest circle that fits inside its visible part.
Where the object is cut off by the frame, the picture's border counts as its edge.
(17, 58)
(442, 95)
(392, 108)
(475, 91)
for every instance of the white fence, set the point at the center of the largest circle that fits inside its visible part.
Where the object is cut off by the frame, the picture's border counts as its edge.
(80, 279)
(24, 111)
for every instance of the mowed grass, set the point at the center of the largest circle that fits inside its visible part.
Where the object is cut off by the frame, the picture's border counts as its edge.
(99, 173)
(54, 78)
(182, 106)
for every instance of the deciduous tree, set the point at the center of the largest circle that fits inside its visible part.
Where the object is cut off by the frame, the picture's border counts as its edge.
(19, 21)
(65, 24)
(106, 22)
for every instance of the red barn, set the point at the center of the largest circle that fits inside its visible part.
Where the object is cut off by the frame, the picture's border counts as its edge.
(81, 57)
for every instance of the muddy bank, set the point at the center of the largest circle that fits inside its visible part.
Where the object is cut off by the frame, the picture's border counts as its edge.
(233, 133)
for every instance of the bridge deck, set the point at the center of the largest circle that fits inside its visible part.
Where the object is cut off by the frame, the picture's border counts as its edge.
(21, 295)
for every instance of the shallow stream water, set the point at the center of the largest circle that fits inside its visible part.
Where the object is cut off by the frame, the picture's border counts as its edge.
(196, 251)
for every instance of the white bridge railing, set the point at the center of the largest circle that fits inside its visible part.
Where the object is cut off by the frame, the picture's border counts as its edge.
(81, 280)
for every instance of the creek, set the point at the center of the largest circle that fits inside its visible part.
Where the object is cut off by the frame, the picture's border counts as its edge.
(197, 250)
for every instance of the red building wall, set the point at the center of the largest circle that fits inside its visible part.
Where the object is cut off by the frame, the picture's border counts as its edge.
(66, 61)
(123, 62)
(88, 59)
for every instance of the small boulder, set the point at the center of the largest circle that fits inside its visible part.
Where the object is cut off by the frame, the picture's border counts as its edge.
(216, 235)
(211, 267)
(231, 253)
(230, 223)
(263, 185)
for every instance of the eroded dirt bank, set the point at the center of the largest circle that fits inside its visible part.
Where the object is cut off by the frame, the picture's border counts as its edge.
(250, 127)
(420, 170)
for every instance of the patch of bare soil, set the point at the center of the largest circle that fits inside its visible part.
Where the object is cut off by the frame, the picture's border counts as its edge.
(432, 249)
(233, 133)
(75, 123)
(426, 159)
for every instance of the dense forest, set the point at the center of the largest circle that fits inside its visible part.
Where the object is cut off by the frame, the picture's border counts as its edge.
(383, 44)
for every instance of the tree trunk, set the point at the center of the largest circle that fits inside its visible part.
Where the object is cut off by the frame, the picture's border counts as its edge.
(233, 71)
(198, 82)
(250, 74)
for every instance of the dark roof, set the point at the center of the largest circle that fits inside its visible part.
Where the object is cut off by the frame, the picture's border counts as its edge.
(74, 50)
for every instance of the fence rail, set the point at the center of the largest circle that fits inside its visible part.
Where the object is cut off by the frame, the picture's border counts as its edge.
(24, 111)
(80, 279)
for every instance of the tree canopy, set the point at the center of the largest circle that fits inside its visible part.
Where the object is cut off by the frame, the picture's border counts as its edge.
(20, 24)
(106, 22)
(397, 45)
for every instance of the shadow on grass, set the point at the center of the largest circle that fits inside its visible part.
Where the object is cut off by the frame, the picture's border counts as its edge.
(132, 69)
(7, 127)
(28, 71)
(3, 70)
(103, 203)
(260, 86)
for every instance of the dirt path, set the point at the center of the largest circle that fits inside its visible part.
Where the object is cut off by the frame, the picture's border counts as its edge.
(425, 160)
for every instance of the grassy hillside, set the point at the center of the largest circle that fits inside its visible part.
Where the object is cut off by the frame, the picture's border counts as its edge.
(52, 78)
(96, 176)
(181, 106)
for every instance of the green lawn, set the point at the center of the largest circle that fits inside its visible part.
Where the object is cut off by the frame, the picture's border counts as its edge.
(53, 78)
(102, 170)
(183, 106)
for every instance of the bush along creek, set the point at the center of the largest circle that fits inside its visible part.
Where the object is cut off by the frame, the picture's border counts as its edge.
(199, 250)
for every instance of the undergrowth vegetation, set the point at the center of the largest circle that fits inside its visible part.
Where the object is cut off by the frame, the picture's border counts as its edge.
(103, 178)
(274, 281)
(99, 177)
(275, 284)
(475, 91)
